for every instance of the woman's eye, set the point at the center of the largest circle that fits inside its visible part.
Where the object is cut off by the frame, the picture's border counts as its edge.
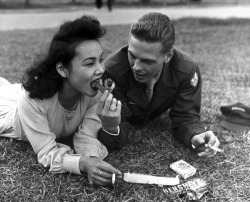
(89, 64)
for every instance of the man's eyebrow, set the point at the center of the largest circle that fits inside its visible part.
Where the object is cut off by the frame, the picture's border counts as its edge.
(143, 59)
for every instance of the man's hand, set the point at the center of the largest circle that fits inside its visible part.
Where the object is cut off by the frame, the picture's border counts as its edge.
(98, 171)
(199, 141)
(109, 111)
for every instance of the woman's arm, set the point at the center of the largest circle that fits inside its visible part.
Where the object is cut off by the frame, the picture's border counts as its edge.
(57, 157)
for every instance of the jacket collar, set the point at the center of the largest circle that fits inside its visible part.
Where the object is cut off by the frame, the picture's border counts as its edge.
(163, 90)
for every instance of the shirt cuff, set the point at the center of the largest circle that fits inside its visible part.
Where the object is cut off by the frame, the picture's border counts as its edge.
(114, 134)
(71, 163)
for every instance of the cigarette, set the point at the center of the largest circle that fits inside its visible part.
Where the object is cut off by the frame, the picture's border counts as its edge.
(113, 178)
(214, 148)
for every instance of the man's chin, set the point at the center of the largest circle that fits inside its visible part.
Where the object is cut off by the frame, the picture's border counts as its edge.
(139, 79)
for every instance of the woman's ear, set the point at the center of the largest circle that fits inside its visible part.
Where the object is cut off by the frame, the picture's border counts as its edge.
(61, 70)
(169, 55)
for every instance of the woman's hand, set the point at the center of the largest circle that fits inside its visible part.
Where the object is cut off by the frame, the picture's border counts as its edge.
(98, 171)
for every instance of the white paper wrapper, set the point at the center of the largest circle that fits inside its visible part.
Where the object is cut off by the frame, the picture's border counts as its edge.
(149, 179)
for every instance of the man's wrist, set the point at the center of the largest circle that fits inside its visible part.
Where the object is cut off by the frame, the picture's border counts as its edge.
(112, 131)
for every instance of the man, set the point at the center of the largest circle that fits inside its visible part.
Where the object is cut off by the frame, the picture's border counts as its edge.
(152, 76)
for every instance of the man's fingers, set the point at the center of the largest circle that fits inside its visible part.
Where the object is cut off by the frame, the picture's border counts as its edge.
(214, 141)
(206, 154)
(109, 101)
(119, 107)
(104, 97)
(102, 101)
(113, 105)
(197, 141)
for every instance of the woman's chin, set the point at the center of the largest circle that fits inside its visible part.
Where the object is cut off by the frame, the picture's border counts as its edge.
(92, 93)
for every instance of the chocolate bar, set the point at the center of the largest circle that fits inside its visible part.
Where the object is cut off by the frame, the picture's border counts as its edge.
(194, 189)
(184, 169)
(97, 85)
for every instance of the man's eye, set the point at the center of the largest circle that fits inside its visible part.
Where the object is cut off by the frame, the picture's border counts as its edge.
(131, 55)
(101, 60)
(147, 62)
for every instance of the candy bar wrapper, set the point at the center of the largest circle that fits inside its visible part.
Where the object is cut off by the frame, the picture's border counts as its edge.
(194, 189)
(184, 169)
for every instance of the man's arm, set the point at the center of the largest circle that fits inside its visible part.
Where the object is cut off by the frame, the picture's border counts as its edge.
(185, 109)
(112, 141)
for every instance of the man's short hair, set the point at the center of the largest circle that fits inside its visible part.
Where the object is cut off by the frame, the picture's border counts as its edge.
(155, 27)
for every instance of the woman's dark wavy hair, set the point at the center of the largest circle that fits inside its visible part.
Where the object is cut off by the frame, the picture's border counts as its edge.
(42, 79)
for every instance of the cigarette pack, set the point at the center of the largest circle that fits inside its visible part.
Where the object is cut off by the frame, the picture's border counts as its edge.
(184, 169)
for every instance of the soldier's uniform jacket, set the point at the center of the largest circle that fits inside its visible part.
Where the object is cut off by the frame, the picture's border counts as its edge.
(178, 89)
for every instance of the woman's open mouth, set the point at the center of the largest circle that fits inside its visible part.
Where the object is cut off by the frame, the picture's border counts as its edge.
(95, 83)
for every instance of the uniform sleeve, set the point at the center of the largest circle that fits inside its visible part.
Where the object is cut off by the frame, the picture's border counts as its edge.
(57, 157)
(117, 142)
(114, 141)
(185, 109)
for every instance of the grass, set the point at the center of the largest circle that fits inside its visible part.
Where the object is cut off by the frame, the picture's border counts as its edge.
(79, 4)
(222, 49)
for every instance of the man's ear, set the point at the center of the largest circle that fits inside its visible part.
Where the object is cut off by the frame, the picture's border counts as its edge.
(62, 70)
(169, 55)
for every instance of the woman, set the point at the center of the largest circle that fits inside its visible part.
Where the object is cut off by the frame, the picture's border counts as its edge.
(56, 100)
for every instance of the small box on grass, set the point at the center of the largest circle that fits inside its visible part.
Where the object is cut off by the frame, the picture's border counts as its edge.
(184, 169)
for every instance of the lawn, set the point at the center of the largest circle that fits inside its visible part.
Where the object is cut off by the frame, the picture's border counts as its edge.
(50, 4)
(222, 49)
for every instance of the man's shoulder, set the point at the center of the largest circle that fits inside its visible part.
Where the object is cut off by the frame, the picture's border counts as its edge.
(183, 62)
(117, 63)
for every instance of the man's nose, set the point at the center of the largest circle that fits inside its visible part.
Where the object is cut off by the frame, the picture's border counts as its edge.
(136, 65)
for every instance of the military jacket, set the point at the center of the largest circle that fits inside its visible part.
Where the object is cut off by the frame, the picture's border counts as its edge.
(177, 90)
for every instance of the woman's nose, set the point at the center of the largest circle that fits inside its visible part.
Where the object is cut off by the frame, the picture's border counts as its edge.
(101, 68)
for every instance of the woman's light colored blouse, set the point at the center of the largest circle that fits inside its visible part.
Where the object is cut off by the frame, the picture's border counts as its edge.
(41, 122)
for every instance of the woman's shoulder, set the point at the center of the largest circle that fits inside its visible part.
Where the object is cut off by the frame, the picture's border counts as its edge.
(42, 104)
(11, 91)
